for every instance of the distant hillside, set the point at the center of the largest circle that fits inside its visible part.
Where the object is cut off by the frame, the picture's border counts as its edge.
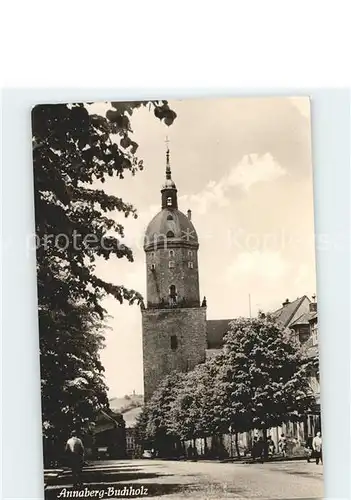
(121, 405)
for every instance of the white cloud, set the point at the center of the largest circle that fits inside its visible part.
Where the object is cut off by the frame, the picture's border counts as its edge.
(260, 264)
(213, 194)
(252, 169)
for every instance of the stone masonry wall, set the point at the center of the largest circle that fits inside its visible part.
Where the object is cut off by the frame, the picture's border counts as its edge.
(183, 277)
(159, 325)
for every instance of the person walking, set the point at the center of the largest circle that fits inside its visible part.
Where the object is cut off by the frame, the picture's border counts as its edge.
(317, 447)
(75, 455)
(282, 445)
(261, 449)
(271, 446)
(309, 449)
(254, 450)
(190, 452)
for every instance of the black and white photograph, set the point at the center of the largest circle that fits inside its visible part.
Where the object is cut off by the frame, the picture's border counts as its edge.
(177, 299)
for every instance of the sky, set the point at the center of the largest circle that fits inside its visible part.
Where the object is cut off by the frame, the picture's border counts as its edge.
(243, 166)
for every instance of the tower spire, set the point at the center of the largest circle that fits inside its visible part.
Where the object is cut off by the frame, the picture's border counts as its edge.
(168, 166)
(169, 190)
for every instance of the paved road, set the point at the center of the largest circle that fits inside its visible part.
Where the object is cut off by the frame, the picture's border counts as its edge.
(198, 480)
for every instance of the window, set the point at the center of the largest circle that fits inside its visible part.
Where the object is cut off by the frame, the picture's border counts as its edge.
(170, 234)
(171, 264)
(190, 265)
(174, 342)
(171, 253)
(152, 255)
(169, 217)
(190, 254)
(153, 267)
(314, 334)
(169, 201)
(172, 295)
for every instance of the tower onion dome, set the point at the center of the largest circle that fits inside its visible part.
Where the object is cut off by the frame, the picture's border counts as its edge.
(170, 226)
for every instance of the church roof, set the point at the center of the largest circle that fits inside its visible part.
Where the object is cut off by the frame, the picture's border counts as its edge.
(216, 329)
(170, 221)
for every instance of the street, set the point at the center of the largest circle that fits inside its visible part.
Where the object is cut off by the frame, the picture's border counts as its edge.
(205, 480)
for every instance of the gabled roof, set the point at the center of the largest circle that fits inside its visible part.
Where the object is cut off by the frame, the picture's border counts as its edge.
(301, 320)
(216, 329)
(286, 313)
(107, 421)
(304, 319)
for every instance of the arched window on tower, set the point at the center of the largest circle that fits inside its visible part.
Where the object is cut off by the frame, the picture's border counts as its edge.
(170, 234)
(171, 253)
(190, 265)
(169, 217)
(190, 254)
(172, 295)
(169, 201)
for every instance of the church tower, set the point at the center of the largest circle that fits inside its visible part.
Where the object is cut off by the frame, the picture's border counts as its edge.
(174, 321)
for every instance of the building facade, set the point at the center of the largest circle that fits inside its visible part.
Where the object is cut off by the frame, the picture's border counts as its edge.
(305, 328)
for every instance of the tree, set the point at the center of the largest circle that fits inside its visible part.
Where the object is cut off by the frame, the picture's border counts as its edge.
(72, 149)
(263, 379)
(154, 425)
(73, 388)
(194, 411)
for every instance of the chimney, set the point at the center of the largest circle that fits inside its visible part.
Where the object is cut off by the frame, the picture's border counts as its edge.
(189, 214)
(313, 304)
(287, 301)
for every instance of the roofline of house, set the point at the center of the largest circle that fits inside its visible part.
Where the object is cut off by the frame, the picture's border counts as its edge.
(298, 305)
(109, 417)
(300, 300)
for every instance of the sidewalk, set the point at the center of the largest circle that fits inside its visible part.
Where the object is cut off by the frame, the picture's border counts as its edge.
(248, 460)
(242, 460)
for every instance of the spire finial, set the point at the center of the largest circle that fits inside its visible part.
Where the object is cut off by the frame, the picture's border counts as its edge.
(168, 167)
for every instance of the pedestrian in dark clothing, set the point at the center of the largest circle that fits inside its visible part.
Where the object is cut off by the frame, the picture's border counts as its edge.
(75, 456)
(262, 449)
(309, 449)
(271, 446)
(282, 445)
(254, 451)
